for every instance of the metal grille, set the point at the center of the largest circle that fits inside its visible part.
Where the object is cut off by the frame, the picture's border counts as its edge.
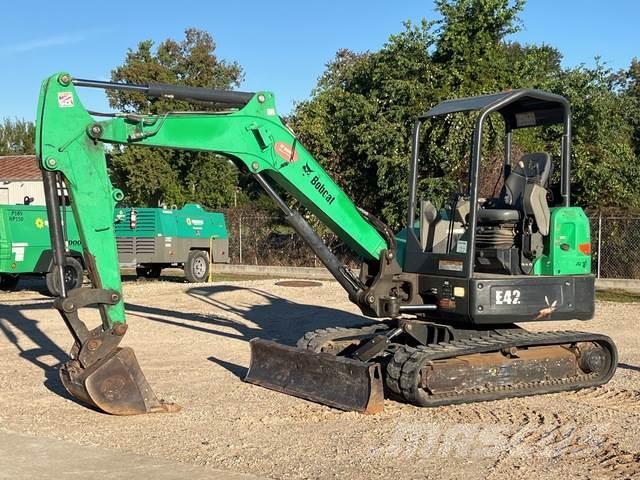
(145, 222)
(145, 245)
(125, 245)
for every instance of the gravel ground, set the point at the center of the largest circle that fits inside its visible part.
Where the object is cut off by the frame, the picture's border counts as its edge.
(192, 343)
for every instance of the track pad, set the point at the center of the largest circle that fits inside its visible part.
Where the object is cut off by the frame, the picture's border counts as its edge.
(339, 382)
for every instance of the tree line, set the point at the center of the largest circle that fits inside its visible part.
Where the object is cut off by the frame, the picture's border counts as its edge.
(358, 120)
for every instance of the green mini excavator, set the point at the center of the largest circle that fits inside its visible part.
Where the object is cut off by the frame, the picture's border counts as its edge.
(449, 291)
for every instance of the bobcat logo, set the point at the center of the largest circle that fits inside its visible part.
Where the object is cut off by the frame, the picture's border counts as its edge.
(548, 310)
(307, 170)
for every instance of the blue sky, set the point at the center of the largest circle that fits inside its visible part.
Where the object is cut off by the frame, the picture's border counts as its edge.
(282, 45)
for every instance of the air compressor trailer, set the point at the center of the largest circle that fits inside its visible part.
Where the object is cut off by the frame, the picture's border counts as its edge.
(155, 238)
(149, 239)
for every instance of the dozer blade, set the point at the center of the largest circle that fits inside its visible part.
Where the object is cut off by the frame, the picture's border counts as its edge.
(115, 384)
(339, 382)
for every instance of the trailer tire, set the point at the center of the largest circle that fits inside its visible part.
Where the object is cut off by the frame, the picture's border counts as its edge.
(9, 281)
(196, 268)
(73, 277)
(149, 271)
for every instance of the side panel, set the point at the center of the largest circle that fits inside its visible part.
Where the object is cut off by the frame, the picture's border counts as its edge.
(221, 250)
(531, 298)
(5, 242)
(25, 245)
(220, 247)
(136, 250)
(146, 222)
(167, 250)
(502, 299)
(192, 221)
(568, 247)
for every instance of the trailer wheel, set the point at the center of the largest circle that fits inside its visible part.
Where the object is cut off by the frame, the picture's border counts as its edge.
(149, 271)
(9, 281)
(73, 276)
(196, 268)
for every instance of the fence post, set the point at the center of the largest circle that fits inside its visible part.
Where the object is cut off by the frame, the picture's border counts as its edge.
(599, 241)
(240, 237)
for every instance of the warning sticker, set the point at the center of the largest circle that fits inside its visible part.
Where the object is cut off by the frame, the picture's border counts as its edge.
(451, 265)
(458, 292)
(447, 303)
(286, 152)
(462, 246)
(18, 249)
(65, 99)
(525, 119)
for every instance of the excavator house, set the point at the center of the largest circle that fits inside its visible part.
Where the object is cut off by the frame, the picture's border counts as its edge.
(443, 300)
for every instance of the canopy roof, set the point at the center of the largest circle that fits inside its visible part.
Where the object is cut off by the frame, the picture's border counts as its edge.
(520, 108)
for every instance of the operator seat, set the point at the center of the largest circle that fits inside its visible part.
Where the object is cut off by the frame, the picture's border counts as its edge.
(524, 192)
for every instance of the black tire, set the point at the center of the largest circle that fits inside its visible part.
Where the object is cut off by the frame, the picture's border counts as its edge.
(196, 268)
(73, 277)
(9, 281)
(149, 271)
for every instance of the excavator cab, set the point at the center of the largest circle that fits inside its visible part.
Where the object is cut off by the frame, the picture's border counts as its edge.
(527, 249)
(456, 281)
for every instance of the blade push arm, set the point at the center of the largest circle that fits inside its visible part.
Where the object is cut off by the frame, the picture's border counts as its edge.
(70, 141)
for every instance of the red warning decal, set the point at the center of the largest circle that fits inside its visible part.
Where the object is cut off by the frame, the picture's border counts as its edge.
(65, 99)
(286, 152)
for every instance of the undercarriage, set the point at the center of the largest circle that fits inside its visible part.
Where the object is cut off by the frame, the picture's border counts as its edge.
(429, 364)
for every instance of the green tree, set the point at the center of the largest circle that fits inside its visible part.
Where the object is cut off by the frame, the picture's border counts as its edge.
(605, 168)
(629, 82)
(358, 121)
(163, 176)
(359, 118)
(17, 137)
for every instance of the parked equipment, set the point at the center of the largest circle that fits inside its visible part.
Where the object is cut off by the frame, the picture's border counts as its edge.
(25, 248)
(155, 238)
(450, 286)
(148, 239)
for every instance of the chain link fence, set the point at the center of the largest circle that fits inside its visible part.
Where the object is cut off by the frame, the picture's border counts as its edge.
(615, 246)
(258, 238)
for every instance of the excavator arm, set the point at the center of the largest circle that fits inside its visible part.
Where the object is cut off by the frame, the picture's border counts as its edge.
(71, 142)
(71, 150)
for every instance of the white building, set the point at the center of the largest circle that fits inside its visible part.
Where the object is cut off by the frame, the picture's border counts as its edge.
(20, 177)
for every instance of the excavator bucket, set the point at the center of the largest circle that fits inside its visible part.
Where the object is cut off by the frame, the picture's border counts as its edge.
(115, 384)
(339, 382)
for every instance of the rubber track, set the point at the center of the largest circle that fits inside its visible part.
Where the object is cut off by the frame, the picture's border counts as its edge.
(403, 371)
(315, 339)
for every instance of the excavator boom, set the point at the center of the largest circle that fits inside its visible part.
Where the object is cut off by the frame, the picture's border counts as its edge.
(70, 148)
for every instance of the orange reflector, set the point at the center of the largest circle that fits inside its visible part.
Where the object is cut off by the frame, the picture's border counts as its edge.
(585, 248)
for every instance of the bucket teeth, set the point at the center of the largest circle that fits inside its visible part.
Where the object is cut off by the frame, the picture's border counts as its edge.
(339, 382)
(114, 384)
